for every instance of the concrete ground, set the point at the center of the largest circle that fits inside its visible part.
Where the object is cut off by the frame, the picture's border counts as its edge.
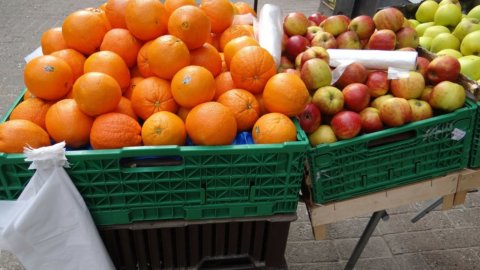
(441, 240)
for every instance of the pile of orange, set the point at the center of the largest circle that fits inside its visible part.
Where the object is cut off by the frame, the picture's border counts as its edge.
(149, 72)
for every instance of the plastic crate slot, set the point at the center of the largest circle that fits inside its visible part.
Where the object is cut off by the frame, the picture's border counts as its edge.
(392, 141)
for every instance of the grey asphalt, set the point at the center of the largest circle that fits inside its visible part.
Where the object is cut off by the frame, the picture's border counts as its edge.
(442, 240)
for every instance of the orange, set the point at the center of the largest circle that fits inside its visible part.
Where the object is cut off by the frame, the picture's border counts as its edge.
(74, 59)
(146, 19)
(125, 107)
(66, 122)
(115, 130)
(285, 93)
(220, 13)
(171, 5)
(20, 133)
(244, 106)
(133, 83)
(52, 40)
(109, 63)
(236, 45)
(223, 83)
(32, 109)
(208, 57)
(193, 85)
(183, 112)
(233, 32)
(191, 25)
(142, 61)
(211, 123)
(48, 77)
(123, 43)
(244, 8)
(96, 93)
(83, 30)
(274, 128)
(251, 68)
(263, 110)
(115, 12)
(163, 128)
(152, 95)
(166, 55)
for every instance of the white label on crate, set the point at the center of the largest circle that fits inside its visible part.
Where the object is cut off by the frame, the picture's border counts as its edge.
(458, 134)
(37, 52)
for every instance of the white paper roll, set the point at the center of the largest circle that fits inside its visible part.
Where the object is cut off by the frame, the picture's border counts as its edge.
(374, 59)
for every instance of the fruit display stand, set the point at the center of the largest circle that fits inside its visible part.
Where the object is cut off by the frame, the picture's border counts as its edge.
(241, 243)
(451, 188)
(132, 184)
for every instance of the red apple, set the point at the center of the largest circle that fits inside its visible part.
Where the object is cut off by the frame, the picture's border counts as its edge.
(377, 83)
(345, 18)
(293, 71)
(426, 93)
(420, 109)
(295, 23)
(377, 102)
(295, 45)
(328, 99)
(316, 73)
(346, 124)
(371, 120)
(317, 18)
(312, 31)
(335, 24)
(447, 96)
(443, 68)
(389, 18)
(422, 65)
(395, 112)
(310, 118)
(407, 37)
(364, 43)
(298, 61)
(323, 134)
(314, 52)
(285, 64)
(325, 40)
(356, 96)
(363, 25)
(382, 40)
(348, 40)
(407, 49)
(284, 42)
(410, 87)
(354, 73)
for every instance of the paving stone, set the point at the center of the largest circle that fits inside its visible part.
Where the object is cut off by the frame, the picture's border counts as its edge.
(458, 238)
(375, 248)
(412, 242)
(302, 213)
(351, 228)
(464, 259)
(433, 220)
(467, 217)
(300, 231)
(396, 223)
(411, 261)
(8, 261)
(472, 200)
(376, 264)
(316, 266)
(311, 251)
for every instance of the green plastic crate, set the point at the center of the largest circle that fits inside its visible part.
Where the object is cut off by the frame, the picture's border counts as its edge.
(391, 157)
(475, 151)
(132, 184)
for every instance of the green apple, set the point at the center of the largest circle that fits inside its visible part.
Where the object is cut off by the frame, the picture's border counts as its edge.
(470, 44)
(447, 96)
(433, 31)
(425, 42)
(426, 10)
(444, 41)
(448, 15)
(466, 26)
(422, 27)
(414, 23)
(323, 134)
(470, 66)
(450, 52)
(444, 2)
(474, 13)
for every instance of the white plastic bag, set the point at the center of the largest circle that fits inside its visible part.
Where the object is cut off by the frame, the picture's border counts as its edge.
(270, 30)
(49, 226)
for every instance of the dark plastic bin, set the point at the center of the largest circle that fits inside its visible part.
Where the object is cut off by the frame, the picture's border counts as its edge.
(132, 184)
(255, 243)
(392, 157)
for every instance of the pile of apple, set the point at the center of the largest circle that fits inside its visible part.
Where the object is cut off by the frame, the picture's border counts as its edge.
(444, 30)
(361, 100)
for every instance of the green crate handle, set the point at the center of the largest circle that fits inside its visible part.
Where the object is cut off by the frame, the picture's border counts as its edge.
(392, 140)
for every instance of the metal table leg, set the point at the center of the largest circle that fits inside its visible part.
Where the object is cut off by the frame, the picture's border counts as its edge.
(367, 233)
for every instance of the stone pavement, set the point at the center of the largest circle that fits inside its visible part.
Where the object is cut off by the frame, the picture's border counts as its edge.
(441, 240)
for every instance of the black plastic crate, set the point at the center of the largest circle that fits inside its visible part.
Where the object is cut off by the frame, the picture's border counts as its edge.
(243, 243)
